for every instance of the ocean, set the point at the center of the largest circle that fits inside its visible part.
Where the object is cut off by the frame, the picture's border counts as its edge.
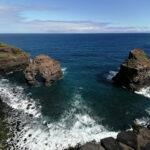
(85, 105)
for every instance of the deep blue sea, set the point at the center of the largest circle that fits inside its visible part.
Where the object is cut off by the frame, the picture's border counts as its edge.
(85, 105)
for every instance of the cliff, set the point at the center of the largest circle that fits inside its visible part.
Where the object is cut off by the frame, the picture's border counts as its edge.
(12, 59)
(134, 72)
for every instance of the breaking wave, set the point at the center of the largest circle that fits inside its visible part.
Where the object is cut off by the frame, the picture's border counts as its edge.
(73, 127)
(111, 74)
(64, 69)
(144, 91)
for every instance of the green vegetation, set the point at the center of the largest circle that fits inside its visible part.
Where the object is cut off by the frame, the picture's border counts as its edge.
(2, 44)
(10, 52)
(3, 55)
(137, 57)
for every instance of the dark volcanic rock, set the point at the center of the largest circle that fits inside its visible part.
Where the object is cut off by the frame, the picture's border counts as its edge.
(92, 146)
(43, 69)
(111, 144)
(129, 138)
(143, 138)
(88, 146)
(134, 72)
(147, 147)
(12, 59)
(125, 147)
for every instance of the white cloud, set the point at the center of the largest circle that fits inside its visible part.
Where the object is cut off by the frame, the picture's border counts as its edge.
(12, 22)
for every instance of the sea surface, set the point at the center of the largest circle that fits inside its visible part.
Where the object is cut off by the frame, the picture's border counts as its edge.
(85, 105)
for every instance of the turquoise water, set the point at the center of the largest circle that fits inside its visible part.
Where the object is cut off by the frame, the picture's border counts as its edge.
(86, 91)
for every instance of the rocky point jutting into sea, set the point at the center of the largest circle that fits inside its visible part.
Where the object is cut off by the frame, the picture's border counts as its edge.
(134, 72)
(46, 70)
(12, 59)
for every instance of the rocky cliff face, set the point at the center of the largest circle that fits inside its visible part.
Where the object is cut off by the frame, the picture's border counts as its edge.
(43, 69)
(134, 72)
(12, 59)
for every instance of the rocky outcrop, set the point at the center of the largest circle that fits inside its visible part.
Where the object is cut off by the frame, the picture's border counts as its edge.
(43, 69)
(138, 139)
(134, 72)
(12, 59)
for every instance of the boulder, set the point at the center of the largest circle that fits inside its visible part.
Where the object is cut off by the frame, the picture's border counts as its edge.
(111, 144)
(134, 72)
(143, 139)
(128, 138)
(92, 146)
(88, 146)
(12, 59)
(43, 69)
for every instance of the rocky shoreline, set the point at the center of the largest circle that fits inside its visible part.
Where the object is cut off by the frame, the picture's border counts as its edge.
(134, 75)
(137, 139)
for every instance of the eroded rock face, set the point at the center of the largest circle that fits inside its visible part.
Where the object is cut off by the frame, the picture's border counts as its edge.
(134, 72)
(12, 59)
(43, 69)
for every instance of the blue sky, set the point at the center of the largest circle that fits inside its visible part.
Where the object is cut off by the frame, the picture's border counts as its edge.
(74, 16)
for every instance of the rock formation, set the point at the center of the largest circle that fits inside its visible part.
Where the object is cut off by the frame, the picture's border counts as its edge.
(12, 59)
(43, 69)
(134, 72)
(137, 139)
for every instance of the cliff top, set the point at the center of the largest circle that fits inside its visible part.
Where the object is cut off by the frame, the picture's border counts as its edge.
(137, 58)
(9, 52)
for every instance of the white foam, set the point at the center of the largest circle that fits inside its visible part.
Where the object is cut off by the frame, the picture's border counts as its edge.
(31, 60)
(143, 121)
(5, 80)
(111, 74)
(58, 135)
(14, 97)
(144, 91)
(64, 70)
(72, 128)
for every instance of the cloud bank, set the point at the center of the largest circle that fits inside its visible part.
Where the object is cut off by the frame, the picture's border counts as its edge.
(11, 21)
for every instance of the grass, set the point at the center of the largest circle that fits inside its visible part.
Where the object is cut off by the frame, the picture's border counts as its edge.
(10, 52)
(3, 55)
(140, 58)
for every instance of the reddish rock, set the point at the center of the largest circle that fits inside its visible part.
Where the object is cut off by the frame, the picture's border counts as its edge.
(43, 69)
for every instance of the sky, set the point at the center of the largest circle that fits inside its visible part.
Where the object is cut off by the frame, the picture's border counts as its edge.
(74, 16)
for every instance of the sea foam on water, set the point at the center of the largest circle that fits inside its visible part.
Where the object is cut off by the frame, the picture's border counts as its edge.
(54, 135)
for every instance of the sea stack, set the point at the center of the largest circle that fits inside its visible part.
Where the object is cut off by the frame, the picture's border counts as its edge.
(134, 72)
(43, 69)
(12, 59)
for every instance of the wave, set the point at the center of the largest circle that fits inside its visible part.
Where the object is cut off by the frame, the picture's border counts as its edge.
(111, 74)
(144, 91)
(143, 121)
(14, 96)
(73, 127)
(64, 69)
